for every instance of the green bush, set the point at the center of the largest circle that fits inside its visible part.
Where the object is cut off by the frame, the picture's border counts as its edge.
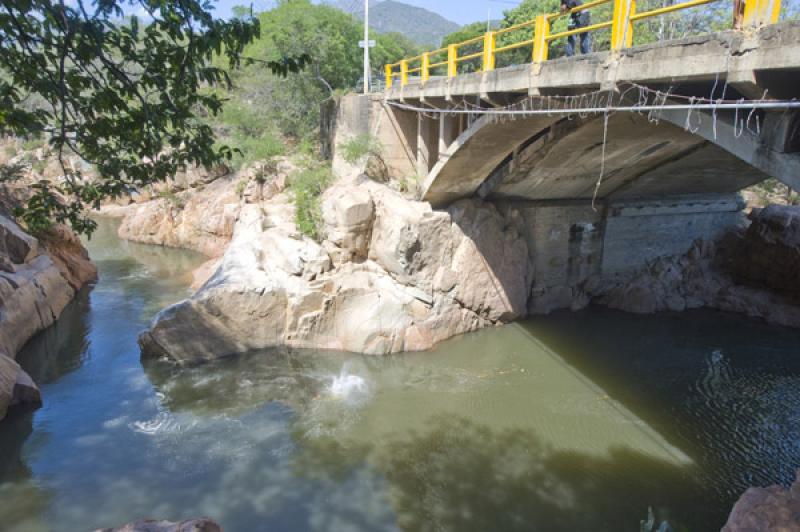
(359, 147)
(307, 187)
(174, 199)
(33, 143)
(263, 148)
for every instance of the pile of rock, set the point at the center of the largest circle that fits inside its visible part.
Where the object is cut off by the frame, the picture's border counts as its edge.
(390, 275)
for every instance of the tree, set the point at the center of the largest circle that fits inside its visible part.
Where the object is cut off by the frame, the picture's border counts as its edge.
(124, 93)
(263, 107)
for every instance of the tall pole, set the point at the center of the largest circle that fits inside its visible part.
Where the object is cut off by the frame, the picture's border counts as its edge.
(366, 46)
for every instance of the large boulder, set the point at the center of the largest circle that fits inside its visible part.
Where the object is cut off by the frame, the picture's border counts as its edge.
(16, 386)
(68, 254)
(392, 275)
(16, 246)
(151, 525)
(771, 509)
(348, 213)
(490, 261)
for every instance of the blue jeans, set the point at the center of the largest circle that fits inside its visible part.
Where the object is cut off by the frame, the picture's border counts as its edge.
(586, 44)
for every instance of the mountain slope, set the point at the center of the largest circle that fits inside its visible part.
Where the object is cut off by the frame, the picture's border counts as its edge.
(418, 24)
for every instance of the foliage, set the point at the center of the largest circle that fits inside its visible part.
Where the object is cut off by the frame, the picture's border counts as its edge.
(122, 94)
(99, 77)
(307, 187)
(264, 111)
(390, 48)
(772, 191)
(359, 147)
(33, 144)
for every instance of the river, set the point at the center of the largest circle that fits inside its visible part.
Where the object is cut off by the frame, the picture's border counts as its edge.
(569, 422)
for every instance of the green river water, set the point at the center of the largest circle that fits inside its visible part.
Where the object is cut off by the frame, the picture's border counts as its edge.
(571, 422)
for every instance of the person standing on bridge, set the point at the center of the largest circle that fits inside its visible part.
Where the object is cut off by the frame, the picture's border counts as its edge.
(577, 19)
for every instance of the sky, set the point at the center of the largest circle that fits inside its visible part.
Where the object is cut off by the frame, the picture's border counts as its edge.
(460, 11)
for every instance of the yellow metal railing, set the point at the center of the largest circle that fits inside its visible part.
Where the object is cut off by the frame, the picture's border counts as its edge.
(756, 13)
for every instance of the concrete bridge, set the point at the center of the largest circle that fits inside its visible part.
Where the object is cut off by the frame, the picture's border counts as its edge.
(669, 176)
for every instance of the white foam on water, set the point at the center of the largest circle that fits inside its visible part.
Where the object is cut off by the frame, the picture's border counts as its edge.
(162, 423)
(348, 386)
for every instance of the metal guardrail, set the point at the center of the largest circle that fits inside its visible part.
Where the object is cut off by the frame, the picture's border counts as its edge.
(755, 13)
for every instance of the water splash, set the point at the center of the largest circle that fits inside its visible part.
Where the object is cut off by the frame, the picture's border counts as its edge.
(348, 386)
(162, 423)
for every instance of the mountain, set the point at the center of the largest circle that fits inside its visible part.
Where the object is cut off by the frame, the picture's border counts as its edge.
(418, 24)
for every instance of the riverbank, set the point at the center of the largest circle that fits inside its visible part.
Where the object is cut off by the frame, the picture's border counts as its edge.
(38, 279)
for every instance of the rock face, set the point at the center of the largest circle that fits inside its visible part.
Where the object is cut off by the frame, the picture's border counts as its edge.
(391, 275)
(771, 509)
(197, 210)
(38, 278)
(770, 251)
(15, 386)
(202, 221)
(150, 525)
(700, 278)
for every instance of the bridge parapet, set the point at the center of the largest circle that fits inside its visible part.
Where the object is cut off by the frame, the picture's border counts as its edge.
(537, 34)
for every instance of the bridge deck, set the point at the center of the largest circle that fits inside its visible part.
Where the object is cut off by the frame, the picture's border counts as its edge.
(741, 58)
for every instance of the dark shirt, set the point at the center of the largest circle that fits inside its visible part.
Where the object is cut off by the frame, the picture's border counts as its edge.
(578, 19)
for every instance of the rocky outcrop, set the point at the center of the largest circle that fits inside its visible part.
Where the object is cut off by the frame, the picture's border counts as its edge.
(700, 278)
(769, 254)
(15, 386)
(38, 278)
(199, 220)
(390, 275)
(150, 525)
(771, 509)
(197, 210)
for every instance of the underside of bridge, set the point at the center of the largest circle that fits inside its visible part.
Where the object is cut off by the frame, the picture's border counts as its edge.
(602, 193)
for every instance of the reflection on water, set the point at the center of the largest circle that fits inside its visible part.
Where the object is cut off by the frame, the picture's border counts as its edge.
(571, 422)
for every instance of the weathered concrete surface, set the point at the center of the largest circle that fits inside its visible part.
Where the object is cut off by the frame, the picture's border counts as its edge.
(547, 158)
(552, 157)
(395, 131)
(570, 241)
(741, 57)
